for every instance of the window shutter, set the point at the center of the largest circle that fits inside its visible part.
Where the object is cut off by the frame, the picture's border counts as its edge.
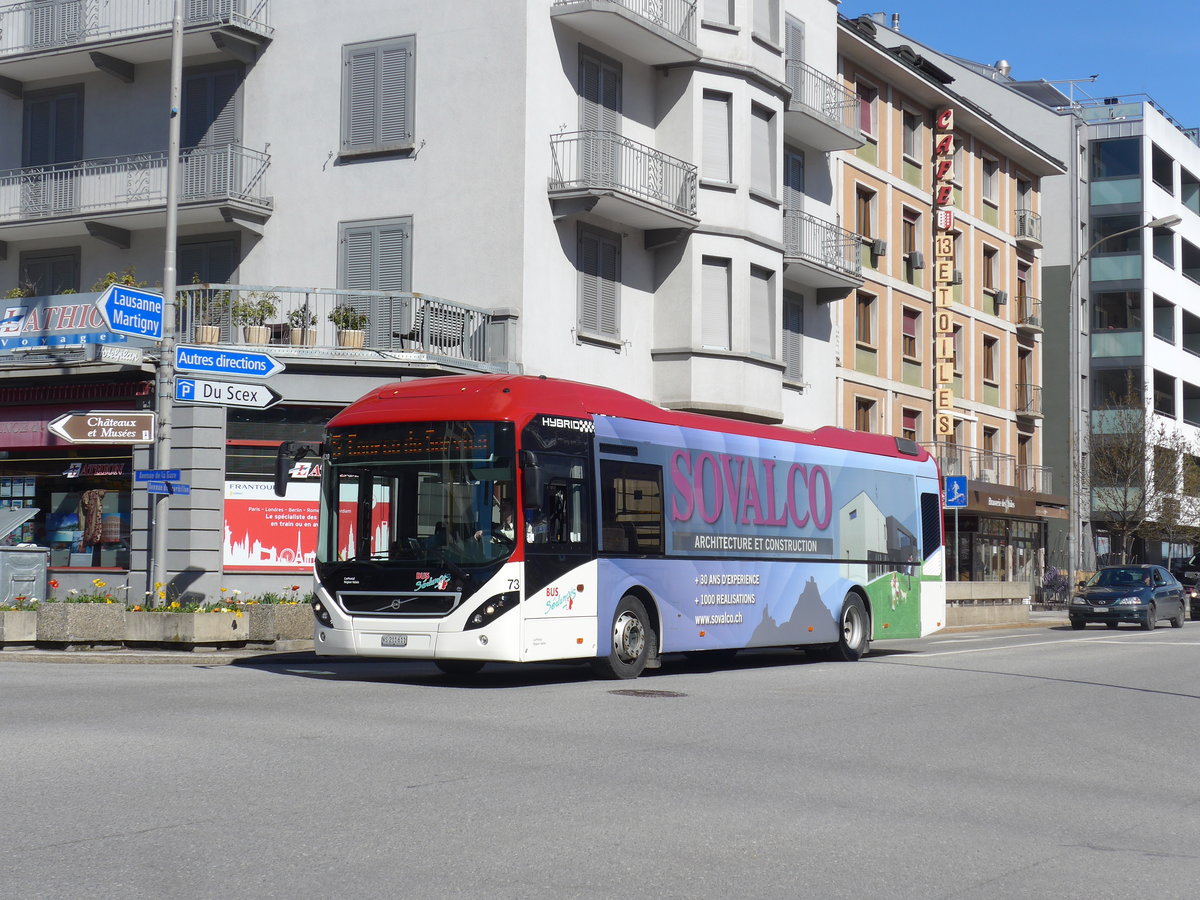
(599, 265)
(716, 137)
(610, 276)
(361, 113)
(762, 312)
(393, 96)
(600, 91)
(714, 299)
(762, 178)
(589, 287)
(794, 40)
(793, 180)
(793, 333)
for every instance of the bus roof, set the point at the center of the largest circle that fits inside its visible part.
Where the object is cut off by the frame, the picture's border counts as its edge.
(518, 398)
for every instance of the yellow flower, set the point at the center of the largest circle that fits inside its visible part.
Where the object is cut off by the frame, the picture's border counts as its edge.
(162, 595)
(238, 614)
(174, 604)
(98, 583)
(223, 590)
(109, 600)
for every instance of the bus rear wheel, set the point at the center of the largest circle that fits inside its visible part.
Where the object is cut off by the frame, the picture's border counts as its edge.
(632, 641)
(855, 637)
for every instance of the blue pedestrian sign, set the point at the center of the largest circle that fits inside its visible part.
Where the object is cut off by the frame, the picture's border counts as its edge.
(157, 475)
(214, 361)
(167, 487)
(956, 492)
(132, 311)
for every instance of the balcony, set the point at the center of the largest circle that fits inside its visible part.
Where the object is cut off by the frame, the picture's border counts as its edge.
(1029, 315)
(1035, 479)
(400, 327)
(51, 38)
(1028, 229)
(821, 255)
(111, 196)
(656, 32)
(988, 467)
(620, 179)
(822, 113)
(1029, 401)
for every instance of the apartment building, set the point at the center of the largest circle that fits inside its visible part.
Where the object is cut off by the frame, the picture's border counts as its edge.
(636, 193)
(947, 206)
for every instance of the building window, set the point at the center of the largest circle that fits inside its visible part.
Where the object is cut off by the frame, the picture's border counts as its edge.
(714, 303)
(991, 360)
(1117, 159)
(762, 150)
(53, 130)
(1164, 246)
(1117, 234)
(716, 159)
(912, 137)
(44, 273)
(599, 265)
(1164, 319)
(766, 20)
(793, 336)
(762, 312)
(1117, 311)
(868, 97)
(718, 11)
(991, 181)
(1164, 394)
(990, 436)
(910, 237)
(864, 202)
(864, 319)
(376, 256)
(958, 354)
(910, 335)
(207, 260)
(377, 95)
(989, 268)
(864, 414)
(910, 424)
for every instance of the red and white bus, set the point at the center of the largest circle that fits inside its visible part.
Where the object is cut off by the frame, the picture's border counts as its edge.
(498, 518)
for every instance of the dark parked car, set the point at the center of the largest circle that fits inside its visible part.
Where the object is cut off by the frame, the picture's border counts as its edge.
(1140, 594)
(1188, 573)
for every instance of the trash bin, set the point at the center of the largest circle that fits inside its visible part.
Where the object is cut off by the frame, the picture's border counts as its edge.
(22, 567)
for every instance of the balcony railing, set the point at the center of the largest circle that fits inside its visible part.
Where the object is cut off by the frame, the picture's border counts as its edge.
(115, 183)
(39, 25)
(1029, 400)
(1029, 314)
(990, 467)
(677, 17)
(1035, 479)
(818, 91)
(1028, 227)
(394, 322)
(605, 160)
(823, 243)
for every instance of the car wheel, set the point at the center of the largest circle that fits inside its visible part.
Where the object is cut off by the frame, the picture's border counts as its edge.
(1078, 624)
(1112, 624)
(1151, 618)
(630, 642)
(1177, 621)
(855, 637)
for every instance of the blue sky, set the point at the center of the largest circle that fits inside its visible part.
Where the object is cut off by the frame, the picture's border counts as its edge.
(1142, 48)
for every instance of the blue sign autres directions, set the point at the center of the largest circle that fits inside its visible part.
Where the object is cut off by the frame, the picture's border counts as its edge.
(167, 487)
(215, 361)
(132, 311)
(157, 475)
(956, 492)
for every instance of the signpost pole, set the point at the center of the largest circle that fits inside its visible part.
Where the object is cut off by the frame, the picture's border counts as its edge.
(166, 357)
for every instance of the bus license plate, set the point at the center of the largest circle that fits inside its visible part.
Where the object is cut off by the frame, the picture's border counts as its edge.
(393, 640)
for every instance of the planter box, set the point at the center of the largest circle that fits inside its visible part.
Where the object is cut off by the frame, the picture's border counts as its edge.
(81, 623)
(280, 622)
(20, 626)
(184, 628)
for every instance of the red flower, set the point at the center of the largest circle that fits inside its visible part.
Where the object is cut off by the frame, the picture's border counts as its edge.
(54, 583)
(295, 587)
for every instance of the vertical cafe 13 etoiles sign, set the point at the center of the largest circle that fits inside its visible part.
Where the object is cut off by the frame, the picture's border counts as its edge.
(943, 269)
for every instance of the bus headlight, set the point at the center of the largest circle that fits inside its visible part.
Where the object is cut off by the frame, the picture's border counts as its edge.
(321, 613)
(491, 609)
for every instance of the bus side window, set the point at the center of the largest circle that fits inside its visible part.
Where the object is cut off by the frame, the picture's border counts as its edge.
(631, 499)
(564, 516)
(931, 524)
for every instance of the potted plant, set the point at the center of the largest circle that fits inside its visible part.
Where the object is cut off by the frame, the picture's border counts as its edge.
(252, 311)
(302, 319)
(207, 309)
(350, 324)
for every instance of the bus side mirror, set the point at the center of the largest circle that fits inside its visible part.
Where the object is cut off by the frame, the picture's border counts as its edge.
(533, 481)
(288, 453)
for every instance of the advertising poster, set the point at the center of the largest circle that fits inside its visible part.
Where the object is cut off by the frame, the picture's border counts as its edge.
(263, 531)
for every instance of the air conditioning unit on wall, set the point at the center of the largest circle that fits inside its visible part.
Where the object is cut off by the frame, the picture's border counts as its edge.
(956, 277)
(878, 247)
(1001, 298)
(916, 259)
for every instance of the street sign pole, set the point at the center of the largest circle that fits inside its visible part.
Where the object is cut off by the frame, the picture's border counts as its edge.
(166, 358)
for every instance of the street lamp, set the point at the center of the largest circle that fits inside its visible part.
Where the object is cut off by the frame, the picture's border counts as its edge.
(1073, 389)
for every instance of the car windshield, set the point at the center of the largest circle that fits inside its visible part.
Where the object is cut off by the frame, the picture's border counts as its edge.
(1120, 578)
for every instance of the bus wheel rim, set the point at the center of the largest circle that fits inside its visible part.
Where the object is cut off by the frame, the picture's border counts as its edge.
(628, 637)
(853, 627)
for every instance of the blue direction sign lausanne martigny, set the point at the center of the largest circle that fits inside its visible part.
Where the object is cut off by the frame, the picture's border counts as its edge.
(132, 311)
(214, 361)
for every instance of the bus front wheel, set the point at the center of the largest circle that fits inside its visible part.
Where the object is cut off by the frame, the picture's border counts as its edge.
(855, 633)
(631, 643)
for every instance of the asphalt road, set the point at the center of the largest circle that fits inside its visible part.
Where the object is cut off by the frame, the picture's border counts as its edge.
(1032, 763)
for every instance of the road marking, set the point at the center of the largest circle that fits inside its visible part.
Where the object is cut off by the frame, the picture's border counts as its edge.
(1128, 642)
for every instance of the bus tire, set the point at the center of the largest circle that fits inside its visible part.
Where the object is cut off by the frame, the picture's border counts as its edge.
(458, 668)
(854, 638)
(632, 640)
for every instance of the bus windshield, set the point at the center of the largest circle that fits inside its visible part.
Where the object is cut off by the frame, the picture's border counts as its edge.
(419, 492)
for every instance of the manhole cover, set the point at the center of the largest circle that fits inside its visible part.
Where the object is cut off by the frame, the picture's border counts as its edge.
(641, 692)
